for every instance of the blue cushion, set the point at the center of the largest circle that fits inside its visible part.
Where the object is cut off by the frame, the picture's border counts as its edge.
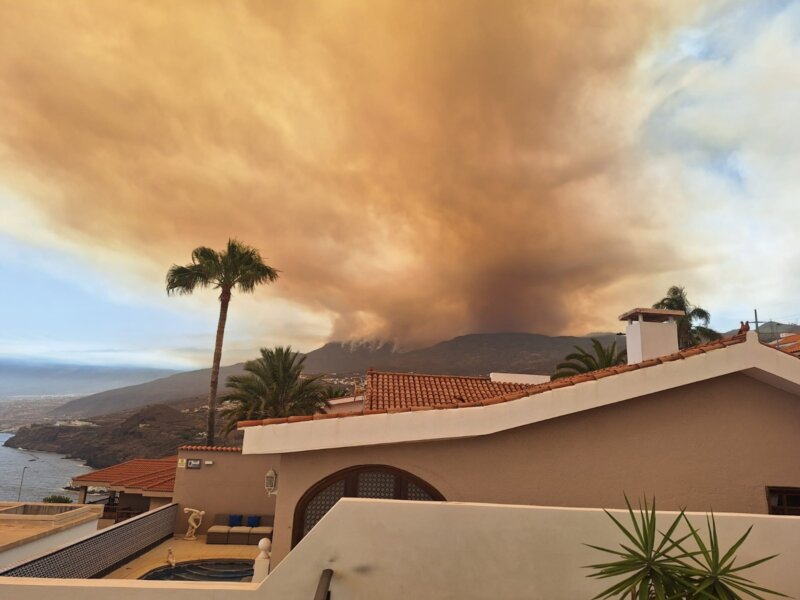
(234, 520)
(253, 521)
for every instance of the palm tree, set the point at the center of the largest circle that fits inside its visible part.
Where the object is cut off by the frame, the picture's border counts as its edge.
(585, 362)
(274, 386)
(689, 332)
(238, 266)
(330, 392)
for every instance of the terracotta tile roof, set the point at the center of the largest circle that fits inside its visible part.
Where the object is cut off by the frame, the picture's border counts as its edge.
(212, 448)
(522, 392)
(147, 474)
(789, 343)
(406, 390)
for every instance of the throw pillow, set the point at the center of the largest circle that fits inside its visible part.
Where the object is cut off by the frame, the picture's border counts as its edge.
(234, 520)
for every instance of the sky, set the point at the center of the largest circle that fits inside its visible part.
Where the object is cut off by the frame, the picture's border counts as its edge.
(415, 170)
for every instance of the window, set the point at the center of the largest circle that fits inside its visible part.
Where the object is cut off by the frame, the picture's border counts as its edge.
(783, 501)
(321, 503)
(369, 481)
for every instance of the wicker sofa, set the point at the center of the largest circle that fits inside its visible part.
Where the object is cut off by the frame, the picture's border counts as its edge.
(221, 532)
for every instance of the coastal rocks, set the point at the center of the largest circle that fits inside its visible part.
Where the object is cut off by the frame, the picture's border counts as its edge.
(151, 432)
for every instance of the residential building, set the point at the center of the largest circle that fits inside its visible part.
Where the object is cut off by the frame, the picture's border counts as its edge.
(133, 487)
(506, 477)
(708, 427)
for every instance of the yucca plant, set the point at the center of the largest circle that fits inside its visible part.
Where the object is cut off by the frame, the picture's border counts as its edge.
(656, 565)
(650, 565)
(713, 574)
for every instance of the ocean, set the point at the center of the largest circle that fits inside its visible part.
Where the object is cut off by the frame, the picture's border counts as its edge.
(47, 473)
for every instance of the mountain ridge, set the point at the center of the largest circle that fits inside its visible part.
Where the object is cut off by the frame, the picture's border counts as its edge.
(165, 390)
(470, 354)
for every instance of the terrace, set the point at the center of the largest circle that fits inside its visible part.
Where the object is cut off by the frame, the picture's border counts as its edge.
(29, 528)
(183, 551)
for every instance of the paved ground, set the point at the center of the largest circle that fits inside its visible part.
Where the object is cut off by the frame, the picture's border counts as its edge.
(14, 534)
(19, 529)
(184, 551)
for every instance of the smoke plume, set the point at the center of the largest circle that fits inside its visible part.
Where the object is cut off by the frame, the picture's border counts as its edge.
(416, 170)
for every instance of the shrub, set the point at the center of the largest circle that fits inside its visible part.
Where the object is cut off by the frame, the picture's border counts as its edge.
(57, 499)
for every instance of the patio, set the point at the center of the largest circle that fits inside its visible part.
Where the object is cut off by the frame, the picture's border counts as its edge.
(183, 550)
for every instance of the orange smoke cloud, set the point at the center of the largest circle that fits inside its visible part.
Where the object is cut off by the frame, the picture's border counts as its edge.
(417, 170)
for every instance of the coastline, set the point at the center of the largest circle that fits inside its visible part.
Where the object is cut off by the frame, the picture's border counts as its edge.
(40, 473)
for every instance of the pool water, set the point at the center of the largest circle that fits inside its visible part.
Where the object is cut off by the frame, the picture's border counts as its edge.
(205, 570)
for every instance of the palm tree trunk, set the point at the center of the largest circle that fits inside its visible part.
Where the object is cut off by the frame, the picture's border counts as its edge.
(224, 300)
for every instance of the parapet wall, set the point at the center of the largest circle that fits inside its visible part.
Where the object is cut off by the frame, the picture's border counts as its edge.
(396, 550)
(100, 552)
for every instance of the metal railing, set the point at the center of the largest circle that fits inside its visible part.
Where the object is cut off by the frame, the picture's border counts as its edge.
(103, 551)
(324, 585)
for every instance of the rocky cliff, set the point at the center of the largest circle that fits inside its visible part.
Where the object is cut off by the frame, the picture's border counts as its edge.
(151, 432)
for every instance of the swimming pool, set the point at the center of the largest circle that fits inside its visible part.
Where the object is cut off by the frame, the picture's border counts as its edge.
(205, 570)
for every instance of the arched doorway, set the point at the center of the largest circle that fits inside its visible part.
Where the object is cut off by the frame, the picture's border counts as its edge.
(364, 481)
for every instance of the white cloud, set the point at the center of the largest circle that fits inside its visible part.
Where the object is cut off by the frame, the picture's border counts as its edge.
(726, 130)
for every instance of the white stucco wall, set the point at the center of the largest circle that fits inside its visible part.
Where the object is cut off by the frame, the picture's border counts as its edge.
(519, 378)
(645, 340)
(390, 549)
(46, 544)
(158, 502)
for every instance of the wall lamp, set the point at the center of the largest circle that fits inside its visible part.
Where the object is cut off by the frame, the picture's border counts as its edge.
(271, 482)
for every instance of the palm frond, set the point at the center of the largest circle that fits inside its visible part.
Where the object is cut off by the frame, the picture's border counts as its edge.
(273, 385)
(706, 334)
(568, 369)
(243, 268)
(699, 314)
(240, 266)
(185, 279)
(582, 361)
(689, 334)
(329, 392)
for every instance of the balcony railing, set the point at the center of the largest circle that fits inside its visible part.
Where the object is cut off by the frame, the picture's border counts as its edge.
(103, 551)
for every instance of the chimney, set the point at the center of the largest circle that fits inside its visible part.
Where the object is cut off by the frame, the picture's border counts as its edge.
(651, 332)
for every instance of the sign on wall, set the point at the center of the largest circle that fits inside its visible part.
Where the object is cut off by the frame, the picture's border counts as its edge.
(193, 463)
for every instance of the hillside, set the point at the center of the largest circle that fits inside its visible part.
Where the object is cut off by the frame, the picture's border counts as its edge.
(476, 354)
(150, 432)
(181, 386)
(349, 357)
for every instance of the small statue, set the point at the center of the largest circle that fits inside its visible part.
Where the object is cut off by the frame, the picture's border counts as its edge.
(171, 558)
(194, 522)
